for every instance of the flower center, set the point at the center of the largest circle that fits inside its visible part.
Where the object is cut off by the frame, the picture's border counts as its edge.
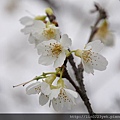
(56, 49)
(86, 55)
(49, 33)
(63, 96)
(38, 89)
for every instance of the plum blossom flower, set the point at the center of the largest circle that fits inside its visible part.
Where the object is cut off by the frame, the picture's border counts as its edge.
(62, 97)
(39, 31)
(59, 96)
(53, 51)
(104, 34)
(37, 88)
(90, 57)
(42, 88)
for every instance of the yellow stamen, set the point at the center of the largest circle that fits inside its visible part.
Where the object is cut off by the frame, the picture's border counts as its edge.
(56, 49)
(49, 33)
(86, 55)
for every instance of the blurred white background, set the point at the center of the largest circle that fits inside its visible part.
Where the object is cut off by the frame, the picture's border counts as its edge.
(19, 59)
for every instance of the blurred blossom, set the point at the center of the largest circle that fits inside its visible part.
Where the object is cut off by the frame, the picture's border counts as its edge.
(104, 34)
(39, 31)
(12, 5)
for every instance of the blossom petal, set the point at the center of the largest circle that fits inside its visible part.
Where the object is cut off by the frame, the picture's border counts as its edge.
(34, 88)
(60, 60)
(58, 104)
(68, 104)
(52, 41)
(31, 39)
(72, 95)
(55, 104)
(46, 60)
(109, 40)
(35, 28)
(95, 45)
(65, 41)
(26, 21)
(87, 67)
(54, 93)
(57, 37)
(45, 88)
(67, 101)
(39, 36)
(43, 99)
(43, 49)
(99, 62)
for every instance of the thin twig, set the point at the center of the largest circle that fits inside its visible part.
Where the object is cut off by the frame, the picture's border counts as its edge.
(102, 15)
(23, 84)
(80, 92)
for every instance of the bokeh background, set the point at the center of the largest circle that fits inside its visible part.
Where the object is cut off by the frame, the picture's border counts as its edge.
(19, 59)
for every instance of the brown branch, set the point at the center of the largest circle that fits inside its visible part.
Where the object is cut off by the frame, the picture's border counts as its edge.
(81, 93)
(78, 74)
(80, 89)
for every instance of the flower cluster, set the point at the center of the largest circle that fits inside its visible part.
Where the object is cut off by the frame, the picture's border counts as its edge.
(39, 31)
(46, 37)
(53, 48)
(58, 95)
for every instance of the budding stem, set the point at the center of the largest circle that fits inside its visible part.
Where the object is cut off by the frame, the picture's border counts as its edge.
(23, 84)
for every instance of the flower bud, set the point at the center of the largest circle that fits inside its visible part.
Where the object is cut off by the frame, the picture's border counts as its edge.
(49, 11)
(50, 79)
(42, 18)
(60, 83)
(78, 53)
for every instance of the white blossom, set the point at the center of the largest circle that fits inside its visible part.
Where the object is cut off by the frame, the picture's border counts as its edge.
(104, 34)
(90, 57)
(39, 31)
(37, 88)
(59, 96)
(62, 98)
(53, 51)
